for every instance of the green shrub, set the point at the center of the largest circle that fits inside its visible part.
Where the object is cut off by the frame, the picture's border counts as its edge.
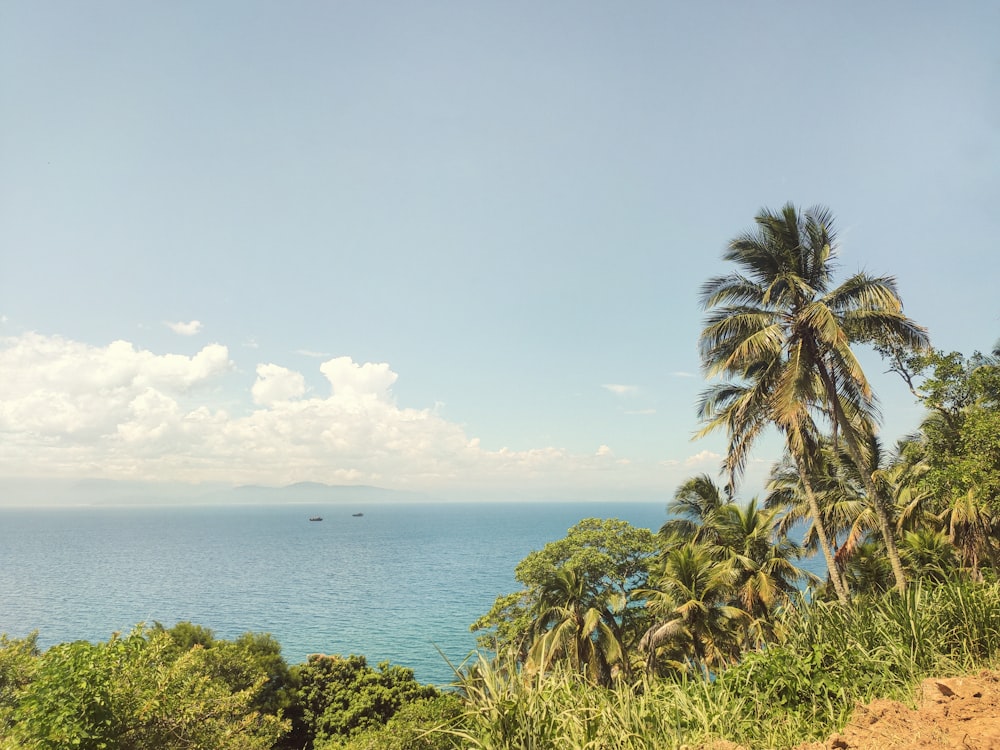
(429, 724)
(18, 662)
(335, 697)
(137, 692)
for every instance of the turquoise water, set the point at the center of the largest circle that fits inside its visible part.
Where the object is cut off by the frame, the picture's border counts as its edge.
(397, 584)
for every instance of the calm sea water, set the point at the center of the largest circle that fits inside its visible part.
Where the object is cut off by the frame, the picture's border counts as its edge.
(397, 584)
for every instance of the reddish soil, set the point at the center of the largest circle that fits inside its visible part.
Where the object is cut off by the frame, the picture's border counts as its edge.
(957, 713)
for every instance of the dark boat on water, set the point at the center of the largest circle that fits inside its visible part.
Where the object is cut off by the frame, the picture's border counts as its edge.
(316, 518)
(357, 515)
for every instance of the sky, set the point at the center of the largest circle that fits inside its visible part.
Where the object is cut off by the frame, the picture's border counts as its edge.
(454, 247)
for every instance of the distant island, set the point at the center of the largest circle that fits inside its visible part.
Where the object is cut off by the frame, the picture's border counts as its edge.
(105, 492)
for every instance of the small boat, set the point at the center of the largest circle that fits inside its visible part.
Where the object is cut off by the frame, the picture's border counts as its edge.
(316, 518)
(357, 515)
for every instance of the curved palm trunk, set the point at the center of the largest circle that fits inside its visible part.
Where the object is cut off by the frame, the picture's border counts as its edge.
(890, 546)
(851, 443)
(838, 582)
(884, 525)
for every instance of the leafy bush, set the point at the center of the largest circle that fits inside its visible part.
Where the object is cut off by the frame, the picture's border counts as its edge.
(18, 661)
(137, 692)
(334, 697)
(429, 724)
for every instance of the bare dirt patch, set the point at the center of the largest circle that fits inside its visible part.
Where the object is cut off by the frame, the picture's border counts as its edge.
(955, 713)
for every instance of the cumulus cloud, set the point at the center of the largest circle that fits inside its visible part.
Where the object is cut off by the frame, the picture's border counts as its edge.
(116, 411)
(185, 329)
(58, 387)
(702, 458)
(620, 390)
(276, 383)
(351, 380)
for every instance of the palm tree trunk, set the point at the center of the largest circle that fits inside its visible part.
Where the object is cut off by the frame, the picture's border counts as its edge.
(851, 442)
(890, 547)
(839, 585)
(885, 527)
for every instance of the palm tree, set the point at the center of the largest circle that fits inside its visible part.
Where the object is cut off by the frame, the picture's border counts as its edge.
(751, 540)
(851, 487)
(781, 335)
(762, 560)
(689, 598)
(695, 504)
(841, 507)
(972, 527)
(574, 625)
(928, 554)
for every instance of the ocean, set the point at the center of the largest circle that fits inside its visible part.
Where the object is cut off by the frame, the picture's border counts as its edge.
(401, 583)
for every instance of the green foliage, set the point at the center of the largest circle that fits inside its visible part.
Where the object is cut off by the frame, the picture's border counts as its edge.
(724, 571)
(335, 697)
(239, 663)
(575, 624)
(136, 692)
(928, 555)
(867, 569)
(609, 559)
(69, 702)
(608, 551)
(803, 687)
(427, 724)
(186, 635)
(18, 662)
(951, 466)
(961, 439)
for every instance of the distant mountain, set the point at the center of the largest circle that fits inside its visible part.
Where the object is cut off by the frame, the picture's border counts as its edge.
(69, 492)
(314, 492)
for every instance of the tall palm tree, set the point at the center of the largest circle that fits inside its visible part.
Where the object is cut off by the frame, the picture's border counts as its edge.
(780, 335)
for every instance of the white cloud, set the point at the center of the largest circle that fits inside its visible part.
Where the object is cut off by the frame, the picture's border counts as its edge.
(311, 353)
(71, 409)
(621, 390)
(642, 412)
(57, 387)
(351, 380)
(682, 374)
(185, 329)
(703, 458)
(276, 383)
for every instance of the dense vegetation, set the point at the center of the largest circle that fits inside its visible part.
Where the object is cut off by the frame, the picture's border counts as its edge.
(629, 638)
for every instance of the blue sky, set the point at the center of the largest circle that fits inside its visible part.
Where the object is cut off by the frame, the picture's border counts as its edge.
(448, 246)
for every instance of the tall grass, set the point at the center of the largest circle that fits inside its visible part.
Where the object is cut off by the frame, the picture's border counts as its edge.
(803, 687)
